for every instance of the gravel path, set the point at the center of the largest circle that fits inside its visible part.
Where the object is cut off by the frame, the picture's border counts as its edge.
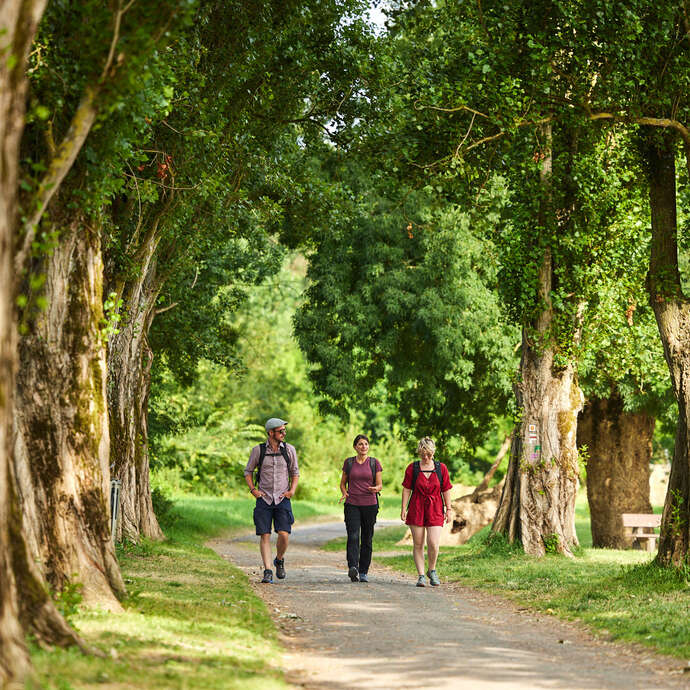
(390, 634)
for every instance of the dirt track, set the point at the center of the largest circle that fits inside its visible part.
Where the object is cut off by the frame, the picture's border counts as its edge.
(390, 634)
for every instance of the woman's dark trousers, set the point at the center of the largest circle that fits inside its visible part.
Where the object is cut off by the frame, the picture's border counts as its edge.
(360, 520)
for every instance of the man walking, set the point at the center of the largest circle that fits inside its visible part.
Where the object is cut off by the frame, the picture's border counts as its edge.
(276, 483)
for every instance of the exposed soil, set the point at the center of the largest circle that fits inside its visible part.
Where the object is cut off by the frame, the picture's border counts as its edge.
(390, 634)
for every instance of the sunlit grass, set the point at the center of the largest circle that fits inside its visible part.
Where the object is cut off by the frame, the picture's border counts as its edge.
(190, 619)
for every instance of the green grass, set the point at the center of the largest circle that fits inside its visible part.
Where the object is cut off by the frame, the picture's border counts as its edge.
(191, 619)
(620, 595)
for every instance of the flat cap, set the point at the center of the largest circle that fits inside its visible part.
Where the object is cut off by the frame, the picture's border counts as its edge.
(274, 423)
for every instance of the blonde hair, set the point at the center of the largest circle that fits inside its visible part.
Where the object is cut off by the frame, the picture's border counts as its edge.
(427, 444)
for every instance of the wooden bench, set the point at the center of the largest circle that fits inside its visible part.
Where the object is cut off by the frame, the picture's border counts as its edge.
(640, 528)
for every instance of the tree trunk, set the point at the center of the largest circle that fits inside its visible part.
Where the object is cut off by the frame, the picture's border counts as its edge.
(129, 367)
(619, 446)
(62, 446)
(672, 311)
(537, 506)
(14, 658)
(33, 611)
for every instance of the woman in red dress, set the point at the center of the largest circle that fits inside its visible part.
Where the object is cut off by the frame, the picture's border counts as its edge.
(427, 508)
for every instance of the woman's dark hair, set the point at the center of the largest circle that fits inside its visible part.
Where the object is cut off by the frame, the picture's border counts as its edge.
(358, 438)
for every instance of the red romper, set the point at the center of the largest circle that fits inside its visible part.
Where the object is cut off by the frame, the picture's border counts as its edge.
(426, 503)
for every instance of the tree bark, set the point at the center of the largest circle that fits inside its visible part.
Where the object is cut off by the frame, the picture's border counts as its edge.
(62, 444)
(537, 506)
(129, 367)
(619, 448)
(33, 611)
(672, 311)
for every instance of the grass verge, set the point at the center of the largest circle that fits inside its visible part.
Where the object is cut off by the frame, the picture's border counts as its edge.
(191, 620)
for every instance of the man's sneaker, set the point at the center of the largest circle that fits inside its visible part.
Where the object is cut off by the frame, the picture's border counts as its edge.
(421, 581)
(363, 577)
(280, 567)
(433, 578)
(268, 576)
(353, 573)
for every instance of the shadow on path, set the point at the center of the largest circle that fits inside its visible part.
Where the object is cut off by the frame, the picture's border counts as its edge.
(390, 634)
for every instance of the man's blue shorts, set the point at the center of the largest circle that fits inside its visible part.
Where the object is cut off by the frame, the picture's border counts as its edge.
(280, 514)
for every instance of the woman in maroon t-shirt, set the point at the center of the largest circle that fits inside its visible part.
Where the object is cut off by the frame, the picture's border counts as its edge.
(359, 484)
(424, 511)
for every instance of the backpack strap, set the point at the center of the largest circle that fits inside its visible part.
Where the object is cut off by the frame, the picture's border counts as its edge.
(415, 473)
(349, 462)
(416, 470)
(439, 474)
(262, 455)
(286, 455)
(372, 464)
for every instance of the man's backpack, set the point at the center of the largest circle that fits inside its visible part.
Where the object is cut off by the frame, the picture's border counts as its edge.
(372, 464)
(262, 455)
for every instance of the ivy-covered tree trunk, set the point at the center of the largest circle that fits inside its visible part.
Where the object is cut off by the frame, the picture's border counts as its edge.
(62, 444)
(537, 506)
(24, 602)
(672, 311)
(129, 367)
(619, 448)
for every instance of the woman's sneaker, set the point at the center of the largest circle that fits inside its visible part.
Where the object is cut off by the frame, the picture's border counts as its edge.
(353, 574)
(268, 577)
(421, 581)
(433, 578)
(363, 577)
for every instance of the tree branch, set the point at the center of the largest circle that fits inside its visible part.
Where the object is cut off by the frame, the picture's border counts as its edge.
(60, 165)
(663, 122)
(162, 310)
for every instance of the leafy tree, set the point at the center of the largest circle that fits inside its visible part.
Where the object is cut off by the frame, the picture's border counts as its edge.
(81, 84)
(631, 66)
(400, 308)
(622, 369)
(214, 166)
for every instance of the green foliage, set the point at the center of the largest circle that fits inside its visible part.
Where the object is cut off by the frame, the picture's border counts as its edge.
(678, 518)
(400, 311)
(163, 507)
(201, 435)
(551, 543)
(111, 316)
(68, 601)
